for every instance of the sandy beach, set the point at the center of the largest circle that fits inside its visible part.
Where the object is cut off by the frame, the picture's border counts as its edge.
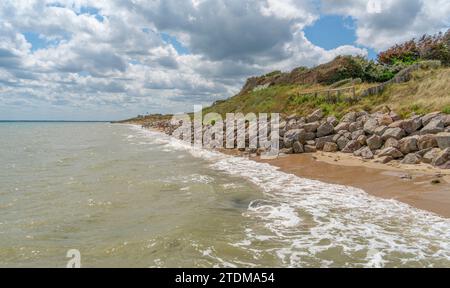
(421, 186)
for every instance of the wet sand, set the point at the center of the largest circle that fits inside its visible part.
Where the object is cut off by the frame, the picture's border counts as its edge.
(411, 184)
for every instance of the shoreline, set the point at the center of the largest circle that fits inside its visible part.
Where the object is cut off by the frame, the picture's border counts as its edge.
(409, 184)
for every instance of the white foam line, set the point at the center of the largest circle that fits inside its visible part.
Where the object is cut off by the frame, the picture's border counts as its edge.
(303, 214)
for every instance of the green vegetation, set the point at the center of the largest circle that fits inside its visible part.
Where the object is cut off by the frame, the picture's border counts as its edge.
(427, 91)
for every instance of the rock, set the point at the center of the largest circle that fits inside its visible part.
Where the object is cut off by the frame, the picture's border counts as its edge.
(422, 153)
(442, 158)
(409, 144)
(396, 133)
(311, 127)
(292, 136)
(391, 142)
(366, 153)
(286, 151)
(351, 146)
(330, 147)
(320, 142)
(309, 149)
(380, 130)
(394, 116)
(384, 159)
(298, 147)
(391, 152)
(355, 126)
(374, 142)
(325, 129)
(292, 116)
(362, 113)
(310, 136)
(332, 120)
(431, 155)
(362, 139)
(429, 117)
(443, 140)
(446, 120)
(427, 141)
(342, 142)
(311, 143)
(370, 126)
(410, 125)
(385, 120)
(315, 116)
(357, 133)
(342, 126)
(411, 159)
(349, 117)
(435, 126)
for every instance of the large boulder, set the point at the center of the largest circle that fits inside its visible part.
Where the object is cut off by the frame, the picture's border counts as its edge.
(370, 126)
(350, 117)
(411, 159)
(342, 142)
(310, 136)
(433, 127)
(396, 133)
(380, 130)
(362, 140)
(431, 155)
(311, 127)
(391, 142)
(385, 120)
(442, 158)
(364, 152)
(298, 147)
(409, 144)
(446, 120)
(427, 141)
(292, 136)
(351, 146)
(357, 133)
(325, 129)
(309, 148)
(374, 142)
(315, 116)
(332, 120)
(391, 152)
(409, 125)
(343, 126)
(430, 117)
(286, 151)
(355, 126)
(443, 140)
(320, 142)
(330, 147)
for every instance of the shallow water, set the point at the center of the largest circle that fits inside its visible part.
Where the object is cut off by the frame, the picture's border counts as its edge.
(125, 197)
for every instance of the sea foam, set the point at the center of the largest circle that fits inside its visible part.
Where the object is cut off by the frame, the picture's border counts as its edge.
(309, 221)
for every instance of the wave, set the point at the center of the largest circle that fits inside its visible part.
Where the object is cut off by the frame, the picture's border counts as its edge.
(312, 223)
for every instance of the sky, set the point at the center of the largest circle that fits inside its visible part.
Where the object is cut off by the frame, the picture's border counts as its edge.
(114, 59)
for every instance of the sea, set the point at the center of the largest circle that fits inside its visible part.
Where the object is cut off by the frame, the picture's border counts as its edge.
(123, 196)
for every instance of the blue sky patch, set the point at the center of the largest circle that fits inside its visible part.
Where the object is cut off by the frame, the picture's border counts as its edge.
(39, 41)
(332, 31)
(175, 43)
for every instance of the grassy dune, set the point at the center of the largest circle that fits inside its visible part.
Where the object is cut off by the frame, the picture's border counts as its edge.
(427, 91)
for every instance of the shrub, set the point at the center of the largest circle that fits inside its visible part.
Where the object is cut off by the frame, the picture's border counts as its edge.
(446, 110)
(428, 47)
